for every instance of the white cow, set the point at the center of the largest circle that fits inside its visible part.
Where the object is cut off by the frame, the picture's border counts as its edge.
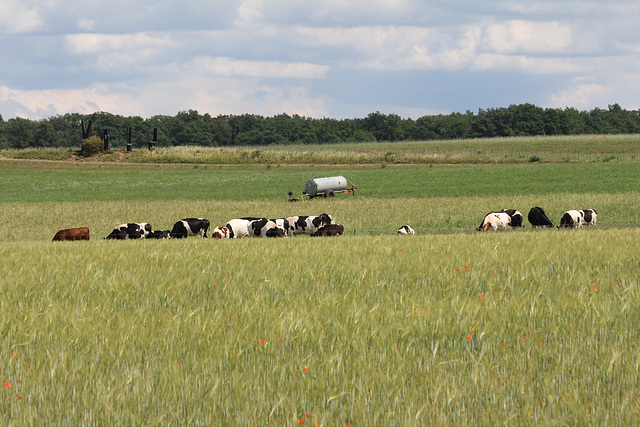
(238, 228)
(495, 221)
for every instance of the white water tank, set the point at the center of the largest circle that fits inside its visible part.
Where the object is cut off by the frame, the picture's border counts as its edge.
(321, 186)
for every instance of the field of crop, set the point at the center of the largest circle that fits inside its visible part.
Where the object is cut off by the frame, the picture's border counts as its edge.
(447, 327)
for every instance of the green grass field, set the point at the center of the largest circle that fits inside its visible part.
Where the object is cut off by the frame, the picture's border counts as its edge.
(449, 327)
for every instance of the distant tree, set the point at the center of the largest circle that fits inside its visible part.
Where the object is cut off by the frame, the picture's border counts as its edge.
(44, 135)
(19, 132)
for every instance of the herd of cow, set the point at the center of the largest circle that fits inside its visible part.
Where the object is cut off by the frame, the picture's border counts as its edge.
(538, 218)
(320, 225)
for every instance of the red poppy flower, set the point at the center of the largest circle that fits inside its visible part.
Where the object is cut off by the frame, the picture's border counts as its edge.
(7, 385)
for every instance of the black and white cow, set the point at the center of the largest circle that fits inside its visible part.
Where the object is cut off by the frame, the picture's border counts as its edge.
(238, 228)
(578, 218)
(538, 218)
(407, 230)
(190, 227)
(589, 217)
(495, 221)
(284, 223)
(159, 234)
(516, 217)
(131, 230)
(266, 228)
(309, 224)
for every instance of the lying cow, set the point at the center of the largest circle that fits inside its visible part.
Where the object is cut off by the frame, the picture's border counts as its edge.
(132, 230)
(495, 221)
(220, 233)
(329, 230)
(80, 233)
(516, 217)
(308, 224)
(578, 218)
(538, 218)
(254, 227)
(238, 228)
(159, 234)
(407, 230)
(190, 227)
(266, 228)
(284, 223)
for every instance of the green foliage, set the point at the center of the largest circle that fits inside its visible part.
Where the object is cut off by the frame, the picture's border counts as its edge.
(190, 127)
(92, 146)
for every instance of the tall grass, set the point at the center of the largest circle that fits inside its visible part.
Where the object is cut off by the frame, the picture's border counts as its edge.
(495, 328)
(360, 216)
(565, 149)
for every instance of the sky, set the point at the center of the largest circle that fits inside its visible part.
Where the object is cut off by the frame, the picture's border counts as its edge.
(323, 58)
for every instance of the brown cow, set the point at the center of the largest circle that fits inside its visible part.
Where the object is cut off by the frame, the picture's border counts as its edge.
(329, 230)
(80, 233)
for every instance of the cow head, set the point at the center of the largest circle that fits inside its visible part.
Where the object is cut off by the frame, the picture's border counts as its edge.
(220, 233)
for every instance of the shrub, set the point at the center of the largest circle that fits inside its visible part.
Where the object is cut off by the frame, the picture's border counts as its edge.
(534, 158)
(92, 146)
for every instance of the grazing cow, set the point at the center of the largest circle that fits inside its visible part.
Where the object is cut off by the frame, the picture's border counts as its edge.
(516, 217)
(406, 229)
(495, 221)
(538, 218)
(238, 228)
(589, 217)
(80, 233)
(220, 233)
(308, 224)
(190, 227)
(264, 227)
(329, 230)
(578, 218)
(132, 230)
(159, 234)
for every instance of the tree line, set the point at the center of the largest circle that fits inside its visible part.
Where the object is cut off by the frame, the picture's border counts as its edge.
(193, 128)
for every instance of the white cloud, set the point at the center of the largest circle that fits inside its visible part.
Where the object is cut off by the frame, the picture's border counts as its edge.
(530, 65)
(528, 37)
(228, 67)
(45, 103)
(87, 43)
(582, 96)
(250, 11)
(15, 18)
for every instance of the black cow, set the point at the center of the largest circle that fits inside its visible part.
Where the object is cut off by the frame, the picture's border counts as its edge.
(190, 227)
(538, 218)
(159, 234)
